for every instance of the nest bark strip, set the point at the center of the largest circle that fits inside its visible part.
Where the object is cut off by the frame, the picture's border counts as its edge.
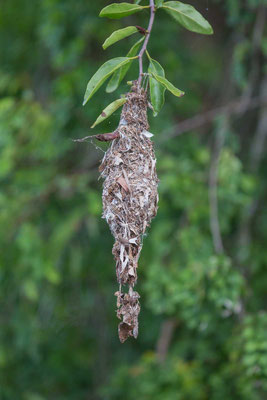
(130, 200)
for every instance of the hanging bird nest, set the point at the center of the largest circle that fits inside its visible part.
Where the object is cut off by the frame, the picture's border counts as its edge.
(130, 200)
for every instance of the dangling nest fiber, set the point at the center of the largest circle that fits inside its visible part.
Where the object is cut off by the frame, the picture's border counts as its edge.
(130, 200)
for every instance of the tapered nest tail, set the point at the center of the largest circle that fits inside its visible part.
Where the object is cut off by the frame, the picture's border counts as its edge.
(129, 201)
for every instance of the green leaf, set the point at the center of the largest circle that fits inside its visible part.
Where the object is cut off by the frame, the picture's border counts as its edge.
(158, 3)
(109, 110)
(157, 90)
(102, 74)
(188, 17)
(168, 85)
(137, 1)
(120, 10)
(119, 74)
(118, 35)
(114, 81)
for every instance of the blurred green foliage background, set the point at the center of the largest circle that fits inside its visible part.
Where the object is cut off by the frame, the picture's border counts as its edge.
(202, 272)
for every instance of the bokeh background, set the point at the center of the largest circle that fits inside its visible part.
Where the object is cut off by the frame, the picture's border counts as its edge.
(202, 272)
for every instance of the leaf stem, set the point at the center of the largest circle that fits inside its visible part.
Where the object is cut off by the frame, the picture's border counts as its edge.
(143, 49)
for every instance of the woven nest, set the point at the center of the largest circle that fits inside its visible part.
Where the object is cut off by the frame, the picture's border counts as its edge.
(130, 200)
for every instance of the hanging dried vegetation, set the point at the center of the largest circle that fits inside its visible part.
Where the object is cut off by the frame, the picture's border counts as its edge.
(130, 200)
(128, 167)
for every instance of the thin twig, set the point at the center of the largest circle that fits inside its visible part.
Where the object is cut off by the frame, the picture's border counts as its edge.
(143, 49)
(102, 137)
(83, 139)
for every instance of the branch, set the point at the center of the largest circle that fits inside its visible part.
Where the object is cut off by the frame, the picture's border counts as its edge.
(255, 65)
(238, 106)
(258, 143)
(213, 188)
(166, 333)
(256, 156)
(143, 49)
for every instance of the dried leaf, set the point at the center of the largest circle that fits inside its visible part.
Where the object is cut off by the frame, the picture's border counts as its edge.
(123, 183)
(147, 134)
(124, 331)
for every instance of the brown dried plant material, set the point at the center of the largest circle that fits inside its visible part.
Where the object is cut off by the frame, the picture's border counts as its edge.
(130, 200)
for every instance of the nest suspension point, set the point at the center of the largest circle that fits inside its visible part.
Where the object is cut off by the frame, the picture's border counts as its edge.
(130, 200)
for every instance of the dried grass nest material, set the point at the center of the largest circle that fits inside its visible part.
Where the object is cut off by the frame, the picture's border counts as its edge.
(130, 201)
